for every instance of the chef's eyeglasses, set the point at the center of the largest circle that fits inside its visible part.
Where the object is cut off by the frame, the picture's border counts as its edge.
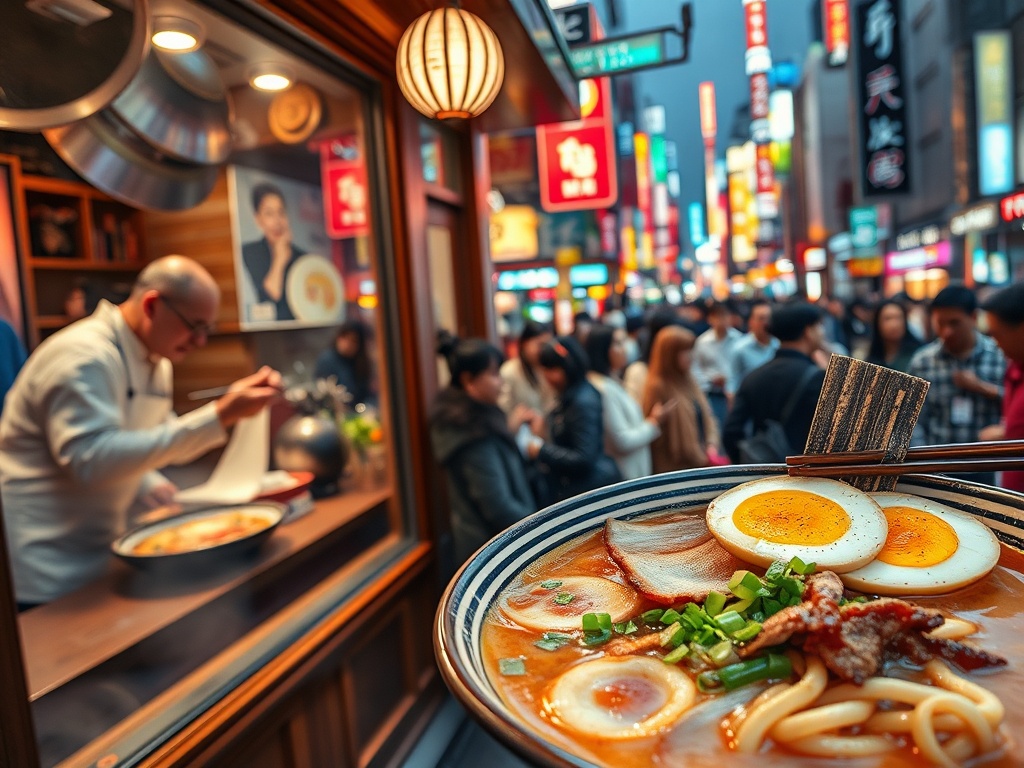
(196, 327)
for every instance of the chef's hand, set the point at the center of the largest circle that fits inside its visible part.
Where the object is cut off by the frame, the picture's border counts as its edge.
(248, 396)
(159, 496)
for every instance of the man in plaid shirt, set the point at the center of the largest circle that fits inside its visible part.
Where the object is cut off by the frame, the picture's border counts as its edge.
(966, 372)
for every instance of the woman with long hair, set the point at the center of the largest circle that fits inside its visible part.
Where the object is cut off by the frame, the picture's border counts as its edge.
(488, 479)
(689, 434)
(634, 379)
(892, 342)
(573, 457)
(627, 433)
(523, 384)
(348, 362)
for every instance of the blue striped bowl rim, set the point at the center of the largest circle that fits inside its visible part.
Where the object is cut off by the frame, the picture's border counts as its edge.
(474, 589)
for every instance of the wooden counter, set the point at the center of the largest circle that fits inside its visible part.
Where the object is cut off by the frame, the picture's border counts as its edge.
(75, 634)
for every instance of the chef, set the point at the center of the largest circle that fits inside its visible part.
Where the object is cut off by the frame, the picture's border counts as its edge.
(88, 423)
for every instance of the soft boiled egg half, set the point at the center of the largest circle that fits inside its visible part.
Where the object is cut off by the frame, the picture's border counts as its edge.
(620, 697)
(929, 549)
(829, 523)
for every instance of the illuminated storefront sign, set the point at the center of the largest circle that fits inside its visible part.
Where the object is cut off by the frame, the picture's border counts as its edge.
(993, 78)
(917, 238)
(864, 229)
(815, 258)
(976, 219)
(898, 262)
(576, 160)
(708, 115)
(1011, 207)
(881, 101)
(695, 217)
(345, 189)
(836, 18)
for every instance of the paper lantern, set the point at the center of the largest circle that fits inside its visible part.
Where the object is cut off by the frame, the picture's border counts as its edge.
(449, 64)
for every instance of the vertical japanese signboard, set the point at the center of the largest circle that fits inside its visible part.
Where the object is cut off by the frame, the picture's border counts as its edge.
(993, 77)
(836, 22)
(881, 99)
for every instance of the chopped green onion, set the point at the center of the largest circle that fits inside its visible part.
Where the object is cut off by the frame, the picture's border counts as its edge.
(730, 621)
(564, 598)
(676, 655)
(654, 616)
(552, 641)
(706, 636)
(771, 606)
(680, 636)
(749, 632)
(799, 566)
(512, 667)
(741, 605)
(714, 603)
(671, 616)
(773, 666)
(721, 653)
(792, 586)
(597, 628)
(625, 627)
(744, 585)
(596, 622)
(550, 584)
(709, 682)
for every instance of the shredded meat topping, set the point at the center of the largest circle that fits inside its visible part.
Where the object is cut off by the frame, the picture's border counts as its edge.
(853, 640)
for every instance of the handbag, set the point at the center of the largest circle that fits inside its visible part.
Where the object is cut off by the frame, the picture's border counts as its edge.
(770, 444)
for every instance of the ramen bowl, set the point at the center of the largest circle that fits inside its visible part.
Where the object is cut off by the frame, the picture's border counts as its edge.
(474, 592)
(202, 537)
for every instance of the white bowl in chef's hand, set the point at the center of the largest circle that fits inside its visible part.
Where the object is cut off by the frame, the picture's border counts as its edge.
(201, 537)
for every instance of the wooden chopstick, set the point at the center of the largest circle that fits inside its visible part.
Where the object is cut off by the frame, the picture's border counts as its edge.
(905, 468)
(948, 452)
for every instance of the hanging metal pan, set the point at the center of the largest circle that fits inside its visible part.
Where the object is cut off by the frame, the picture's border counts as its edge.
(113, 158)
(178, 104)
(64, 60)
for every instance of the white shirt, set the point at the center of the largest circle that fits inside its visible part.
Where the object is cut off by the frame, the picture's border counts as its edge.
(749, 353)
(627, 434)
(516, 389)
(87, 418)
(713, 356)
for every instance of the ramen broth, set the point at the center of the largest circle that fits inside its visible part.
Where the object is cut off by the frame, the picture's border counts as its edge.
(994, 604)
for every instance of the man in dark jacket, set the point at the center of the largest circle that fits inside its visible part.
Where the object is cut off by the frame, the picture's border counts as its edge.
(765, 391)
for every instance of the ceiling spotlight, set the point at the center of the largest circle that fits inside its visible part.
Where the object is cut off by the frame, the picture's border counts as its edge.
(175, 34)
(271, 77)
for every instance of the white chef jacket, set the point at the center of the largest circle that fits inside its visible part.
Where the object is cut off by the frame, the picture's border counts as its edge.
(85, 426)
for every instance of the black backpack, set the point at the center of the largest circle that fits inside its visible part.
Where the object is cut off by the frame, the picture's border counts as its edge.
(770, 444)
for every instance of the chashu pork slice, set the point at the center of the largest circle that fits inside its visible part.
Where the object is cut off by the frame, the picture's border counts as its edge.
(671, 558)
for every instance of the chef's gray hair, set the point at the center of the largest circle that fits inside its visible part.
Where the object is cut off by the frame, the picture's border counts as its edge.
(174, 277)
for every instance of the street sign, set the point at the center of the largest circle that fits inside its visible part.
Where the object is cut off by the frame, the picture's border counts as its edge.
(619, 55)
(631, 53)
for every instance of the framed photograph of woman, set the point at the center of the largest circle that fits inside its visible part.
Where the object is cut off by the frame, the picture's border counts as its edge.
(284, 271)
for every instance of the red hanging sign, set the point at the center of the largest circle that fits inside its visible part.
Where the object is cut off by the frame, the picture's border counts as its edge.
(343, 179)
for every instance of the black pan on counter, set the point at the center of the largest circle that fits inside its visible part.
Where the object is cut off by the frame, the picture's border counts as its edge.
(202, 537)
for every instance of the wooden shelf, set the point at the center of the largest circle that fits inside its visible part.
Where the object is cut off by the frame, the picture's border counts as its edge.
(81, 265)
(76, 236)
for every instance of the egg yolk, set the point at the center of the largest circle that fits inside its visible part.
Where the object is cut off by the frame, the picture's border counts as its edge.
(917, 538)
(632, 698)
(791, 517)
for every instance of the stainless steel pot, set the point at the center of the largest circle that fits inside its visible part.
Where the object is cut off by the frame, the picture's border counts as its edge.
(159, 143)
(120, 163)
(178, 105)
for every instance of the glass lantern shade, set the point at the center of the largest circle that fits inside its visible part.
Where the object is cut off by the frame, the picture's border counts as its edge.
(449, 64)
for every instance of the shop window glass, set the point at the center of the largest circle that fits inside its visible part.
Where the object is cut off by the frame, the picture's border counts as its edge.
(290, 233)
(439, 156)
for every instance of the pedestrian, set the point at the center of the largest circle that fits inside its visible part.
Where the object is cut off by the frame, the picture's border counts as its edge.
(634, 379)
(347, 360)
(573, 457)
(627, 433)
(892, 342)
(758, 346)
(1005, 314)
(522, 384)
(713, 361)
(488, 479)
(689, 433)
(965, 369)
(785, 390)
